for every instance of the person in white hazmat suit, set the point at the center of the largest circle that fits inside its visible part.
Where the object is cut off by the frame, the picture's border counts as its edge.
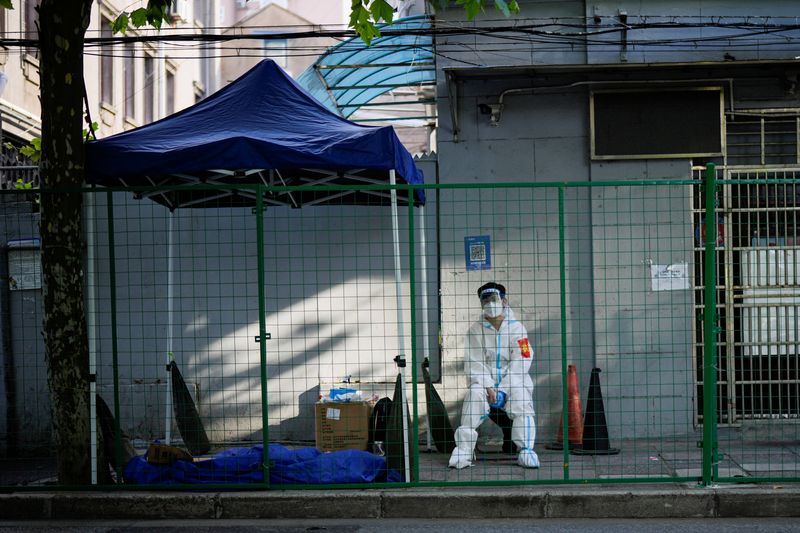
(497, 364)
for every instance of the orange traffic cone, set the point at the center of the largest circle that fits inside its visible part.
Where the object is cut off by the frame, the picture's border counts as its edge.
(573, 413)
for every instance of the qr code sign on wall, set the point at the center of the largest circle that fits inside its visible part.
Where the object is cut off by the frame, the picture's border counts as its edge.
(477, 252)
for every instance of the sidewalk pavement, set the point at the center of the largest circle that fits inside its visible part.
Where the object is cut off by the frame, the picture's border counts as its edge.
(654, 473)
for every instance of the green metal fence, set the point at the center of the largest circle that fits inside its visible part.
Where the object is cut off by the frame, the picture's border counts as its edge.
(649, 306)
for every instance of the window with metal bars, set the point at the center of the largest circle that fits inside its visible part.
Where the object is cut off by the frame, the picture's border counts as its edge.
(763, 138)
(757, 283)
(758, 294)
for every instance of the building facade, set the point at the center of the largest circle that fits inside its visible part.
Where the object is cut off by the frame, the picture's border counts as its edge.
(595, 92)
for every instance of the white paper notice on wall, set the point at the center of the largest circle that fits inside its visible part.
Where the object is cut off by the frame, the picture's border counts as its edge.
(333, 414)
(674, 277)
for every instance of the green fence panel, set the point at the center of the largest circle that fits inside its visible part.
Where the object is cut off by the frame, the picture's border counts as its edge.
(659, 315)
(757, 355)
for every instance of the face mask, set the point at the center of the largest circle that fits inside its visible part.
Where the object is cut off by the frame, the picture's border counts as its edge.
(493, 309)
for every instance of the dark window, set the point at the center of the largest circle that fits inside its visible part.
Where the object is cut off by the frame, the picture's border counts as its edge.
(170, 96)
(149, 87)
(130, 81)
(201, 16)
(658, 123)
(31, 20)
(106, 66)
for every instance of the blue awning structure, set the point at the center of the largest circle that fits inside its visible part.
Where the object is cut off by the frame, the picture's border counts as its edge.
(262, 128)
(352, 74)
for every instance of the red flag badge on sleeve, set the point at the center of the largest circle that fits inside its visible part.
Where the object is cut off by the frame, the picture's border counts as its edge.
(524, 348)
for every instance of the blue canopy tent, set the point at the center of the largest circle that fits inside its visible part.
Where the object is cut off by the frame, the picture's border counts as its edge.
(262, 128)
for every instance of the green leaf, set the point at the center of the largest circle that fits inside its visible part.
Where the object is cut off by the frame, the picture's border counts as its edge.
(381, 10)
(363, 17)
(22, 185)
(513, 6)
(139, 17)
(157, 12)
(367, 31)
(31, 151)
(154, 20)
(120, 24)
(472, 7)
(502, 6)
(6, 4)
(355, 15)
(387, 13)
(356, 7)
(359, 21)
(354, 18)
(159, 8)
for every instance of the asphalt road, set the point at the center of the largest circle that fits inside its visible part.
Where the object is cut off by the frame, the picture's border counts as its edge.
(683, 525)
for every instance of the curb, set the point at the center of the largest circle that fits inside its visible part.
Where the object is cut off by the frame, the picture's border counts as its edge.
(522, 502)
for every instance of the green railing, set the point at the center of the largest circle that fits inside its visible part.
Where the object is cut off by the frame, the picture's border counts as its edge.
(666, 321)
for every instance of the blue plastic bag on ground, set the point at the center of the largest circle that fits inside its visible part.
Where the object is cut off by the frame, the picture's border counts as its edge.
(287, 467)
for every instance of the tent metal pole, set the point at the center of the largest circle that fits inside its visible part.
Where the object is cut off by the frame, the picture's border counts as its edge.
(400, 326)
(397, 272)
(423, 280)
(170, 269)
(90, 228)
(162, 112)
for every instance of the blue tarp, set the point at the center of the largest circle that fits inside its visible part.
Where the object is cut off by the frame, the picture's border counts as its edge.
(287, 467)
(263, 120)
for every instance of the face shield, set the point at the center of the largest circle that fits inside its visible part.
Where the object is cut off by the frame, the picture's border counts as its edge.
(491, 303)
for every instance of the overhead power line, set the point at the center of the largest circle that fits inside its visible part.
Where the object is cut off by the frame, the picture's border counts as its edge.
(551, 31)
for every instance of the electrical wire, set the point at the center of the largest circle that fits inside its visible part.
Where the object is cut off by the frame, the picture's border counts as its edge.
(544, 35)
(437, 29)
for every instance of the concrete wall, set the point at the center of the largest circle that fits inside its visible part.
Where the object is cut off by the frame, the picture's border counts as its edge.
(25, 421)
(330, 308)
(640, 338)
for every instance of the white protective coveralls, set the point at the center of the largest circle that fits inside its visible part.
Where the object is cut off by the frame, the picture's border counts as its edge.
(499, 359)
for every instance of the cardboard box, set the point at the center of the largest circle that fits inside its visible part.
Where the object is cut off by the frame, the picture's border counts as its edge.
(342, 425)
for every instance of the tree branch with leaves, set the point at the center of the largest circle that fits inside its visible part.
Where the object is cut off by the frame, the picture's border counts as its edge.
(366, 15)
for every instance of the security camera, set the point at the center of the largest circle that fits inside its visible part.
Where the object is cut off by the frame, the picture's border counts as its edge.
(493, 110)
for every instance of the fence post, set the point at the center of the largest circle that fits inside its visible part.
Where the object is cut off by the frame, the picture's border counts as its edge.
(112, 282)
(710, 327)
(262, 331)
(412, 281)
(562, 273)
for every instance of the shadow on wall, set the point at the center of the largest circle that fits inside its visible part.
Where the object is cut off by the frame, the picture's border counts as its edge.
(330, 305)
(300, 426)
